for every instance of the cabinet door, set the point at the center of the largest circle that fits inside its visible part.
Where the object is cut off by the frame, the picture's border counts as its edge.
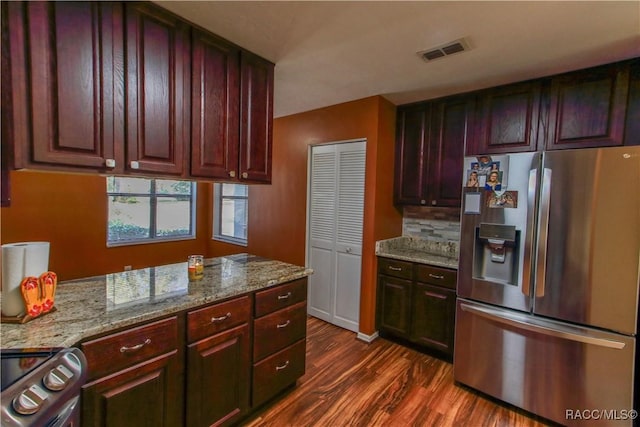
(433, 317)
(507, 119)
(256, 118)
(157, 68)
(148, 394)
(587, 108)
(632, 126)
(63, 75)
(215, 100)
(450, 123)
(411, 143)
(218, 378)
(6, 148)
(395, 305)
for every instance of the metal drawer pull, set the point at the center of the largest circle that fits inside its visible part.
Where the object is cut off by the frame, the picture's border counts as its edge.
(283, 325)
(435, 276)
(395, 268)
(434, 295)
(280, 368)
(221, 318)
(125, 349)
(287, 295)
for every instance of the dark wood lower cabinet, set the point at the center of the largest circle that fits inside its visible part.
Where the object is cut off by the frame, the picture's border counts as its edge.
(395, 311)
(209, 366)
(416, 303)
(147, 394)
(433, 317)
(218, 378)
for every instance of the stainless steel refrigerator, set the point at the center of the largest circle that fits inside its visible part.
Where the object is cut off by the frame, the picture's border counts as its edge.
(548, 282)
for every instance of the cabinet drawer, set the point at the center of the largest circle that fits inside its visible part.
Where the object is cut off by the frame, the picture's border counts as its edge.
(217, 318)
(282, 296)
(276, 372)
(395, 268)
(114, 352)
(278, 330)
(436, 276)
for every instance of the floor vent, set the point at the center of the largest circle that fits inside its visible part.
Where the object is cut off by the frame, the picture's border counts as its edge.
(447, 49)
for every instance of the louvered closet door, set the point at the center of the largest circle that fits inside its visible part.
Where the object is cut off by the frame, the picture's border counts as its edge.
(335, 243)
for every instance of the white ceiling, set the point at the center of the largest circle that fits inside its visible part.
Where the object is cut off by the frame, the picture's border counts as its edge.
(329, 52)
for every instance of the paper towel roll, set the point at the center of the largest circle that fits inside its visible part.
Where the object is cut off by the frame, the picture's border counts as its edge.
(20, 260)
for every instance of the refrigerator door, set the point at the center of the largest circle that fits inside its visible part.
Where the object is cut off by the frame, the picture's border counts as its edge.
(587, 268)
(550, 368)
(497, 235)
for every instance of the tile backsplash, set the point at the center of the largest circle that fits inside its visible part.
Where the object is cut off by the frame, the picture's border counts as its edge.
(438, 224)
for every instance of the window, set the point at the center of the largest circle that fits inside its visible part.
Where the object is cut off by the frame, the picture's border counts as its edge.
(230, 211)
(149, 210)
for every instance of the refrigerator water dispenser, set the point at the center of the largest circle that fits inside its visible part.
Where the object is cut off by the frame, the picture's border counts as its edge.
(496, 253)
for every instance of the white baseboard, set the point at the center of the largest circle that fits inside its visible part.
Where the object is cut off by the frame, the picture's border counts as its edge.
(367, 338)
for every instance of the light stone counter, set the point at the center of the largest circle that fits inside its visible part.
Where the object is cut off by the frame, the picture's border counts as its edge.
(413, 249)
(87, 307)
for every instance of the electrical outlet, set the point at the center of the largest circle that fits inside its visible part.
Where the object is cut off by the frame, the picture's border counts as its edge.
(127, 268)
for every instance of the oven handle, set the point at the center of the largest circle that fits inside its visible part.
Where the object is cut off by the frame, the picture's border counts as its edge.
(540, 328)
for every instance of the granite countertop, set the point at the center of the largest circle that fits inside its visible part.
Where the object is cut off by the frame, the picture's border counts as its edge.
(413, 249)
(95, 305)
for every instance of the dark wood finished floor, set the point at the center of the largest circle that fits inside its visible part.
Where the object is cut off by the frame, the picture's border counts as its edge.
(351, 383)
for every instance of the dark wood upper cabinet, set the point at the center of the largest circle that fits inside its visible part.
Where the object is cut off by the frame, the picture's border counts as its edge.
(63, 85)
(632, 126)
(6, 104)
(507, 119)
(451, 121)
(256, 118)
(587, 108)
(215, 107)
(412, 133)
(157, 90)
(429, 151)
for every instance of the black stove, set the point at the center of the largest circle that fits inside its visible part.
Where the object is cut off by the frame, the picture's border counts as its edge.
(41, 387)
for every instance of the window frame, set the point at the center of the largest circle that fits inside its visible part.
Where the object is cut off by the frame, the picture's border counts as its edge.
(217, 215)
(153, 209)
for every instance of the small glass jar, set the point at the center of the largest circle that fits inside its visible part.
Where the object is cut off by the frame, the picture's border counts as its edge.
(195, 266)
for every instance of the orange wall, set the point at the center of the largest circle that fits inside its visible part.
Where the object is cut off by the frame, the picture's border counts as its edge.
(277, 212)
(70, 211)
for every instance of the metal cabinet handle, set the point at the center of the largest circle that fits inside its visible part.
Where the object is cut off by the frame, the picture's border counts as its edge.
(134, 164)
(125, 349)
(280, 368)
(232, 174)
(436, 276)
(221, 318)
(434, 295)
(285, 296)
(283, 325)
(245, 175)
(395, 268)
(110, 163)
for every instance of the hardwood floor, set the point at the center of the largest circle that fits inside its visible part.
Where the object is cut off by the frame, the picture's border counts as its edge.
(351, 383)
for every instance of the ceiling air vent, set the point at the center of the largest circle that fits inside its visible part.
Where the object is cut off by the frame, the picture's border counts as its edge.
(447, 49)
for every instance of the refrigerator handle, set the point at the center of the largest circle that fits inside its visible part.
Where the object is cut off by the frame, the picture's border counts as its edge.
(529, 239)
(556, 331)
(543, 231)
